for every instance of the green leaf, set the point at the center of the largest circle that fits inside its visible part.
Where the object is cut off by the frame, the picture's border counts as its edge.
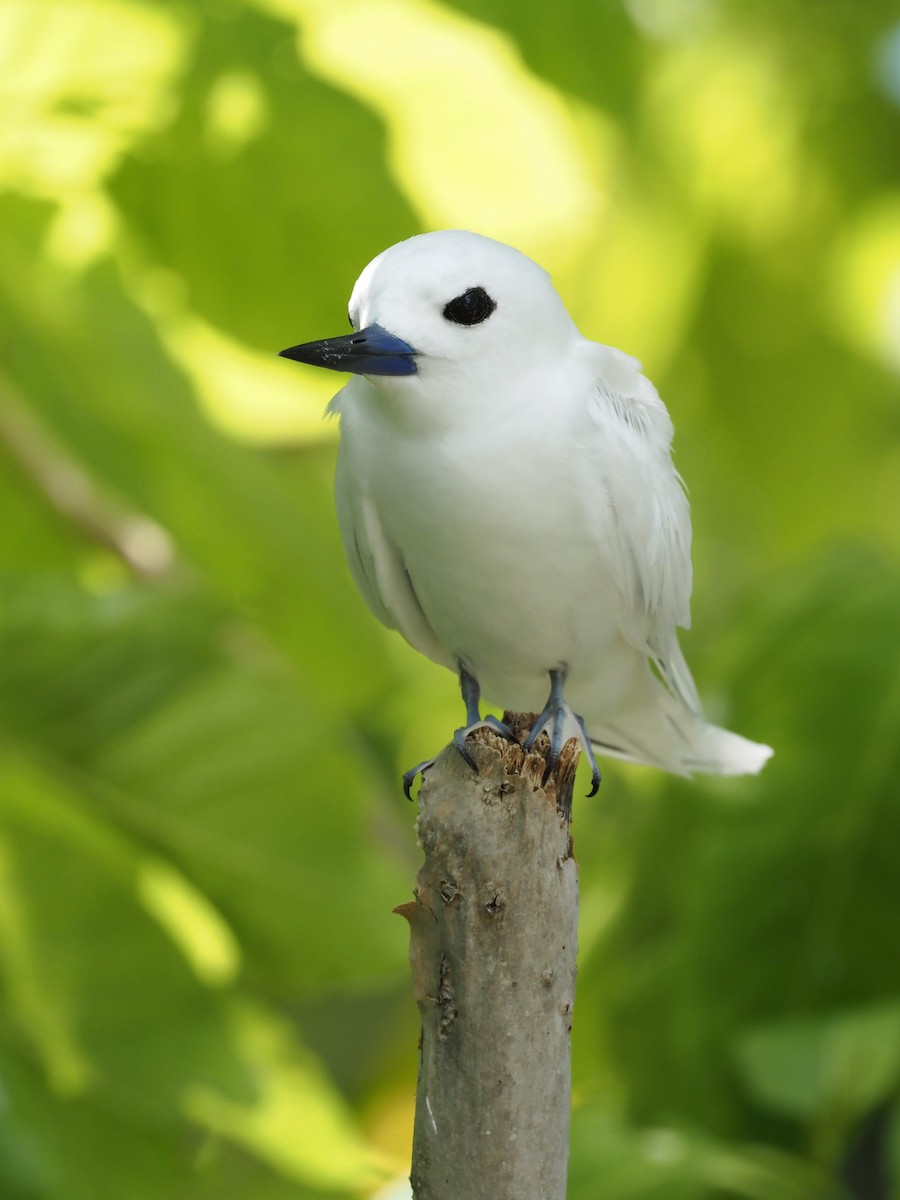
(111, 1007)
(265, 537)
(561, 46)
(179, 724)
(621, 1162)
(836, 1066)
(78, 949)
(55, 1147)
(755, 901)
(276, 266)
(293, 1119)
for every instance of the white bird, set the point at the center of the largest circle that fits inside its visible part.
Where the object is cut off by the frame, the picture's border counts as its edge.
(508, 503)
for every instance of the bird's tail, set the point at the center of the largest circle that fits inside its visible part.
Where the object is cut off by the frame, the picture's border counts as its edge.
(669, 735)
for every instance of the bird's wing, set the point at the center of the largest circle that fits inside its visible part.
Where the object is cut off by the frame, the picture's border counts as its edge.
(377, 567)
(644, 525)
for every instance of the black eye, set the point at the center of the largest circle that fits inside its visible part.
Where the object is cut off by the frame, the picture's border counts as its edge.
(471, 308)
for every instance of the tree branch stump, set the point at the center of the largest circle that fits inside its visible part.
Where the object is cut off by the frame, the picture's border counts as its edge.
(493, 951)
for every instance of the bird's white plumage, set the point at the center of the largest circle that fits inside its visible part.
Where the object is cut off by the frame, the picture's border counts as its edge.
(513, 505)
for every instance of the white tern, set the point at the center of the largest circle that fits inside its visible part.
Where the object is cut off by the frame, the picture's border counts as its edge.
(508, 503)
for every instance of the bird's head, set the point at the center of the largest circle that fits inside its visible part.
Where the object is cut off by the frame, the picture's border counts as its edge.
(445, 315)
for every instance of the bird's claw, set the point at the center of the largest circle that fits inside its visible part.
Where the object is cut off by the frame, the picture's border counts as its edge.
(409, 777)
(587, 747)
(561, 726)
(459, 741)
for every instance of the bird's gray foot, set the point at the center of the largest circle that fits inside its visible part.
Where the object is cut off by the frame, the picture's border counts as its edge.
(561, 724)
(471, 693)
(499, 726)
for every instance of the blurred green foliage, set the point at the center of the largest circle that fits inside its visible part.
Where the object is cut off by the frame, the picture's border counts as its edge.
(202, 990)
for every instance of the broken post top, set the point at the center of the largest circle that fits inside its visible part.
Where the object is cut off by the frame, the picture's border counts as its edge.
(534, 765)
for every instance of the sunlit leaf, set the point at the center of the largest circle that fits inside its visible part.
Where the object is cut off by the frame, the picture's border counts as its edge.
(271, 264)
(56, 1148)
(264, 537)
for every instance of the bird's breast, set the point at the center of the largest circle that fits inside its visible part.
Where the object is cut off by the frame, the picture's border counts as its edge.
(493, 534)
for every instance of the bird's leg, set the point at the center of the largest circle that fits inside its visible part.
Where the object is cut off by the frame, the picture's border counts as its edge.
(561, 724)
(471, 694)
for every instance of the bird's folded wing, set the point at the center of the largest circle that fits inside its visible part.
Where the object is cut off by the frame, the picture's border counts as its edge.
(379, 571)
(643, 519)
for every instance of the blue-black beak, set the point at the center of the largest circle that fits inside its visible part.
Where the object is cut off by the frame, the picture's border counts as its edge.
(372, 351)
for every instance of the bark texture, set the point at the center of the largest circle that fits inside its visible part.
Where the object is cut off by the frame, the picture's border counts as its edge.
(493, 952)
